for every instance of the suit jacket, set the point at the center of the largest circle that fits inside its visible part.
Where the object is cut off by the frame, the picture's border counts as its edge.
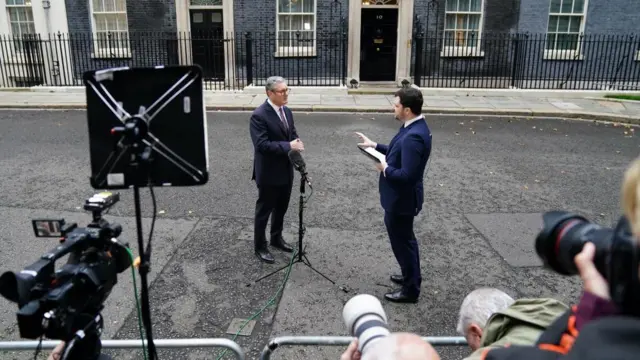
(401, 185)
(271, 165)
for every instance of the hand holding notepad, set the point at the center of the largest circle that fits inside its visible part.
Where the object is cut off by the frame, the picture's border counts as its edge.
(368, 148)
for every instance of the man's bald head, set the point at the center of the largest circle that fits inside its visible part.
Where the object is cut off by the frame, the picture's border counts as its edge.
(401, 346)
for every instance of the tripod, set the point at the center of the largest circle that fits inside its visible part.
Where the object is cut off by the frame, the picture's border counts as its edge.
(302, 257)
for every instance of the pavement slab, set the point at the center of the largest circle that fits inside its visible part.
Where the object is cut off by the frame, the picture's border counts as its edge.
(504, 168)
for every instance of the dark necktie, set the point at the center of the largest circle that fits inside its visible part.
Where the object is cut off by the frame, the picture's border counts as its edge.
(284, 119)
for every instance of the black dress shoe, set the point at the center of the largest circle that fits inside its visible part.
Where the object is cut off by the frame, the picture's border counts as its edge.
(399, 296)
(398, 279)
(265, 255)
(279, 243)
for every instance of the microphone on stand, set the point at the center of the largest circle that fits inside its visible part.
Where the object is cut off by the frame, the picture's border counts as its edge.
(299, 165)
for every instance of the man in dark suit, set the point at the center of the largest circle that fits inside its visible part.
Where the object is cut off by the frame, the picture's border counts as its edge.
(273, 134)
(402, 190)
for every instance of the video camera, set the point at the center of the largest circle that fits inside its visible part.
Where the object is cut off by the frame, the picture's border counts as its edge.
(65, 304)
(617, 254)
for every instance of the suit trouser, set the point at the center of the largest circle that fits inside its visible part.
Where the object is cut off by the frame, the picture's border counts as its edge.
(272, 200)
(405, 248)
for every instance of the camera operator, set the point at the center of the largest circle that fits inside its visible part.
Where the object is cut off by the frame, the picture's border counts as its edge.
(397, 346)
(595, 328)
(489, 318)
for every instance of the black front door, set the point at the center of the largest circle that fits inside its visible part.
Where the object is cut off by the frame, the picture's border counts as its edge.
(207, 42)
(378, 40)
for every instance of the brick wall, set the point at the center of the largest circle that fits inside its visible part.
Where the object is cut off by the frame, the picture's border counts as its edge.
(258, 17)
(608, 53)
(500, 19)
(152, 29)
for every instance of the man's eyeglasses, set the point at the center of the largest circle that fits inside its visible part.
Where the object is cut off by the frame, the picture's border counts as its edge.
(282, 92)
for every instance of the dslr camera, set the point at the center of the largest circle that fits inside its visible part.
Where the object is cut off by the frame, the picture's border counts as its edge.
(65, 304)
(617, 254)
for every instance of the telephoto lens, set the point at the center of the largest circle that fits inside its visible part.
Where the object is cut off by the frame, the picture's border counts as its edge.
(365, 319)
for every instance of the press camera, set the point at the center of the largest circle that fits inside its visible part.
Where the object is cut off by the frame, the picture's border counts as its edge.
(65, 304)
(617, 255)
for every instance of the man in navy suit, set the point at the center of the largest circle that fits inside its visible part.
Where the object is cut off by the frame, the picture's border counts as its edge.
(273, 134)
(402, 190)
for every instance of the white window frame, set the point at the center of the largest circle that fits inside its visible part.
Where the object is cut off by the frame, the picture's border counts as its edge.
(16, 40)
(297, 51)
(462, 51)
(115, 52)
(573, 54)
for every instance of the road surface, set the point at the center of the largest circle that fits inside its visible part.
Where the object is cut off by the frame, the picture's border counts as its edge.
(489, 181)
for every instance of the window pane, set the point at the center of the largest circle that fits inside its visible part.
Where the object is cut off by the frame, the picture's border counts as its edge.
(575, 24)
(551, 41)
(122, 22)
(555, 6)
(121, 5)
(474, 22)
(450, 22)
(567, 6)
(284, 22)
(475, 5)
(307, 6)
(578, 6)
(553, 24)
(283, 6)
(452, 5)
(567, 42)
(109, 5)
(463, 5)
(448, 38)
(563, 24)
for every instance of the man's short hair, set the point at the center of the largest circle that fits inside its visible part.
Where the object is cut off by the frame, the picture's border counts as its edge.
(411, 98)
(479, 305)
(273, 81)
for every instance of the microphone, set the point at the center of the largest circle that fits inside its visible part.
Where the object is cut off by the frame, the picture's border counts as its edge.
(299, 164)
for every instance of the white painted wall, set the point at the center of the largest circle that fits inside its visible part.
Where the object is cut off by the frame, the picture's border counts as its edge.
(49, 17)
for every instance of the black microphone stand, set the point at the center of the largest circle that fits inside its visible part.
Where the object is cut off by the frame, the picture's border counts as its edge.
(302, 256)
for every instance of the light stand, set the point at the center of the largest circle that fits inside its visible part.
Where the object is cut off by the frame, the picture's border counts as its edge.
(138, 136)
(302, 256)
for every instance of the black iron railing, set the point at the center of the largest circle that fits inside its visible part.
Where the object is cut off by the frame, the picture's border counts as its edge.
(229, 61)
(526, 61)
(233, 61)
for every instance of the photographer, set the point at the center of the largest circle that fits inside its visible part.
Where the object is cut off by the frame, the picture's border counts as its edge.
(489, 318)
(596, 327)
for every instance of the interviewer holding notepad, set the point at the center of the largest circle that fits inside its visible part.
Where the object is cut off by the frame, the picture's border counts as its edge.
(402, 190)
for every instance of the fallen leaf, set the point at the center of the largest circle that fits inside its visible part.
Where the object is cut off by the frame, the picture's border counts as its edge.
(190, 212)
(457, 133)
(526, 187)
(608, 168)
(441, 184)
(617, 151)
(536, 180)
(626, 133)
(601, 214)
(562, 172)
(554, 129)
(161, 212)
(461, 123)
(473, 132)
(491, 172)
(490, 127)
(534, 127)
